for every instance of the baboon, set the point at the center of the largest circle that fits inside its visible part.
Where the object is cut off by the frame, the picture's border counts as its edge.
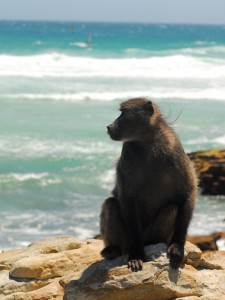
(155, 190)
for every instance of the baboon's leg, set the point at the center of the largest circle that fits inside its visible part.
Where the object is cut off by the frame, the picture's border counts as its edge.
(162, 229)
(112, 229)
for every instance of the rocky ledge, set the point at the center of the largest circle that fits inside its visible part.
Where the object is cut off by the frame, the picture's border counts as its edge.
(210, 166)
(66, 268)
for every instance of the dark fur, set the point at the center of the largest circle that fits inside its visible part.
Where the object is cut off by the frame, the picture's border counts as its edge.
(155, 190)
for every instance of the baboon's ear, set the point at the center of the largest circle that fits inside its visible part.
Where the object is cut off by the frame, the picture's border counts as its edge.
(148, 106)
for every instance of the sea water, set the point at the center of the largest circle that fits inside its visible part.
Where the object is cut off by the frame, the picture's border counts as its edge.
(61, 84)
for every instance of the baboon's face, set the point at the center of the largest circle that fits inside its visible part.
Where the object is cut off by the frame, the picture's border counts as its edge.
(132, 124)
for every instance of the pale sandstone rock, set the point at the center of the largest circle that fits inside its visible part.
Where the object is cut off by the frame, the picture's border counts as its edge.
(52, 265)
(5, 254)
(112, 280)
(11, 261)
(213, 260)
(42, 266)
(86, 255)
(192, 254)
(192, 251)
(188, 298)
(213, 296)
(45, 246)
(9, 285)
(49, 292)
(34, 273)
(56, 244)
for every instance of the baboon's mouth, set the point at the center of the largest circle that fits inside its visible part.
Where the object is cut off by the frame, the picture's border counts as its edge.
(113, 135)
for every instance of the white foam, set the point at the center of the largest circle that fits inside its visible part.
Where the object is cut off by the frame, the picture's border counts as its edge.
(107, 179)
(22, 176)
(83, 233)
(183, 74)
(220, 140)
(217, 93)
(221, 244)
(58, 65)
(46, 182)
(206, 140)
(42, 179)
(37, 224)
(30, 147)
(28, 176)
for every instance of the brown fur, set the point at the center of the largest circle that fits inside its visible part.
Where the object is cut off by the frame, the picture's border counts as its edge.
(155, 189)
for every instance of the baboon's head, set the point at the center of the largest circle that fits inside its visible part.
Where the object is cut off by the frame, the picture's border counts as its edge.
(134, 123)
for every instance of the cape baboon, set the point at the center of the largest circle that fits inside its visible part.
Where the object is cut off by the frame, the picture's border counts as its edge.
(155, 189)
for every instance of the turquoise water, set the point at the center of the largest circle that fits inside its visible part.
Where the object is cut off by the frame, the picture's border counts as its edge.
(58, 93)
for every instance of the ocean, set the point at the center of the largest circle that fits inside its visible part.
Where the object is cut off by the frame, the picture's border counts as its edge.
(61, 84)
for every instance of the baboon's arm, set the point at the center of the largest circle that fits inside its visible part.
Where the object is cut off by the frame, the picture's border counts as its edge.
(133, 229)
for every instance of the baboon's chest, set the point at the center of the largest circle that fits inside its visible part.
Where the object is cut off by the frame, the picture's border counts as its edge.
(144, 176)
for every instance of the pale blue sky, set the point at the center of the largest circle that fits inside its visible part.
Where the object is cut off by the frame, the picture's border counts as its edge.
(160, 11)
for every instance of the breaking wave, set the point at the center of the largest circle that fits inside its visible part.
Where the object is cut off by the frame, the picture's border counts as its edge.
(61, 65)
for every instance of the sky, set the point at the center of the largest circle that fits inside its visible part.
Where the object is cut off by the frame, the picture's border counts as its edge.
(147, 11)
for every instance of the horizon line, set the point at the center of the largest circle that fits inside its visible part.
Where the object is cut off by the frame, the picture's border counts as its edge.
(114, 22)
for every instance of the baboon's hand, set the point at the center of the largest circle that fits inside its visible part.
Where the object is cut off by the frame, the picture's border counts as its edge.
(176, 254)
(135, 264)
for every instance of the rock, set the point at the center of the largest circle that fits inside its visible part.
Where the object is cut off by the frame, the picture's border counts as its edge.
(45, 246)
(108, 281)
(206, 242)
(44, 266)
(9, 285)
(49, 292)
(40, 264)
(213, 260)
(56, 244)
(112, 280)
(210, 166)
(65, 268)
